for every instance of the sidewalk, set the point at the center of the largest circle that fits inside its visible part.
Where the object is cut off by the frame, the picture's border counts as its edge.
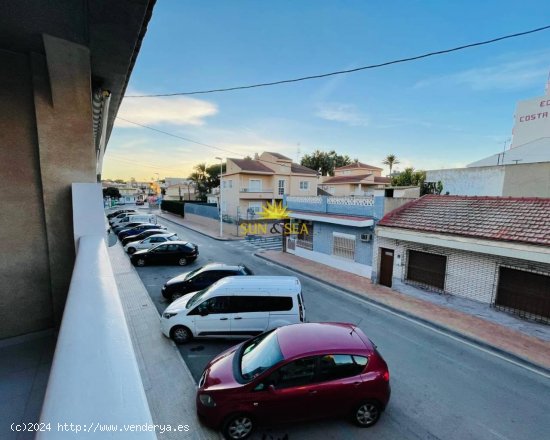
(169, 386)
(509, 339)
(203, 227)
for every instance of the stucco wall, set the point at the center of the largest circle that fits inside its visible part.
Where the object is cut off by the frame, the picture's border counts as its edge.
(323, 240)
(478, 181)
(527, 180)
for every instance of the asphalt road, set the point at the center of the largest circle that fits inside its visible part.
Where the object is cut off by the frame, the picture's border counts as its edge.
(442, 387)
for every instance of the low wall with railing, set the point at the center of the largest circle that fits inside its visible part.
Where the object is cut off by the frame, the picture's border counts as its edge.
(357, 206)
(94, 379)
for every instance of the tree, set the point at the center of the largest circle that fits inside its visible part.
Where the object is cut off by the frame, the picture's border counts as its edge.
(325, 162)
(119, 181)
(206, 178)
(390, 161)
(409, 177)
(112, 192)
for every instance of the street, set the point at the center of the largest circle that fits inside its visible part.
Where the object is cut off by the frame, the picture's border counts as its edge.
(442, 387)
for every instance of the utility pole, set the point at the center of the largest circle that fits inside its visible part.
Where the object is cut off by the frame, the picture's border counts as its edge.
(221, 195)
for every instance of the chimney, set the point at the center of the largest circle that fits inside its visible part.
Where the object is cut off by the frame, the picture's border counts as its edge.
(256, 156)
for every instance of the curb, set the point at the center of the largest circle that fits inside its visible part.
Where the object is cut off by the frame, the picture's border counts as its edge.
(450, 331)
(195, 230)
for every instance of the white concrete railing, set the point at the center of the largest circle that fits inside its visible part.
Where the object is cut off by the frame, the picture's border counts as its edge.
(355, 201)
(317, 200)
(94, 380)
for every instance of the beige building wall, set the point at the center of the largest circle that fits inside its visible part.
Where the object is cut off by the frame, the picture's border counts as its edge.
(527, 180)
(295, 185)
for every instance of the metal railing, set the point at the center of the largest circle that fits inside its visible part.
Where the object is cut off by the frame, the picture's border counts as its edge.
(256, 190)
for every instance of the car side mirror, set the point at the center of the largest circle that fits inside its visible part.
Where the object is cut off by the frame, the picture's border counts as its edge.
(271, 388)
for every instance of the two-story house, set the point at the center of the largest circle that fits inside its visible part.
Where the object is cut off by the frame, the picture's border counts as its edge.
(357, 179)
(248, 184)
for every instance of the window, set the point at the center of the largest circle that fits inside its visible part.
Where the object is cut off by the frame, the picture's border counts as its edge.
(230, 183)
(255, 207)
(294, 374)
(219, 304)
(260, 354)
(173, 248)
(343, 245)
(248, 304)
(281, 187)
(173, 238)
(157, 240)
(304, 185)
(337, 366)
(254, 185)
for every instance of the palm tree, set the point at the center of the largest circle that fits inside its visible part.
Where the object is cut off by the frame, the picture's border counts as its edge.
(390, 161)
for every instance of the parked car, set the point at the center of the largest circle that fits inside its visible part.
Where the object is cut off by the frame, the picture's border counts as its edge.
(118, 212)
(176, 252)
(149, 242)
(140, 202)
(121, 215)
(235, 307)
(141, 235)
(201, 278)
(116, 229)
(138, 229)
(297, 372)
(131, 218)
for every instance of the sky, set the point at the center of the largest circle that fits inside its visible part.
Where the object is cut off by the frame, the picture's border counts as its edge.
(440, 112)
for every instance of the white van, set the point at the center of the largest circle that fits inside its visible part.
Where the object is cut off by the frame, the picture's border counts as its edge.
(133, 218)
(235, 307)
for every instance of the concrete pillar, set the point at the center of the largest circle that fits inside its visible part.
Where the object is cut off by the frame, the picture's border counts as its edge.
(25, 296)
(62, 100)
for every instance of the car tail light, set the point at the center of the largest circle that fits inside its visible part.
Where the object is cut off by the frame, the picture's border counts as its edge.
(386, 376)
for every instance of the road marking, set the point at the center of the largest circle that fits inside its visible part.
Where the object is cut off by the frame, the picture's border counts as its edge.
(426, 326)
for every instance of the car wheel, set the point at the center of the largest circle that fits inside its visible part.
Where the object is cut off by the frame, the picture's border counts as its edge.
(367, 414)
(131, 250)
(140, 262)
(181, 335)
(239, 426)
(176, 295)
(182, 261)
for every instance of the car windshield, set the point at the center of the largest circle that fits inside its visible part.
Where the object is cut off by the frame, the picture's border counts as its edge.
(196, 298)
(259, 355)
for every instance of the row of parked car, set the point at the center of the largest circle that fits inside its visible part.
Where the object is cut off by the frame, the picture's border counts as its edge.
(290, 370)
(148, 242)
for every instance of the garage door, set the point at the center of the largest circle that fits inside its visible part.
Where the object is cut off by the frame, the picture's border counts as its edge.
(427, 269)
(525, 293)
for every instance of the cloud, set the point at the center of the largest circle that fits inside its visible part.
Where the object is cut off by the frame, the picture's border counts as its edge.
(177, 110)
(346, 113)
(520, 73)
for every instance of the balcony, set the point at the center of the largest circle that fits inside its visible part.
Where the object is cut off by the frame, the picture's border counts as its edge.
(256, 193)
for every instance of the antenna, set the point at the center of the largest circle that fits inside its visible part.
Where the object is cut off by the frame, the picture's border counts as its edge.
(298, 152)
(355, 326)
(547, 88)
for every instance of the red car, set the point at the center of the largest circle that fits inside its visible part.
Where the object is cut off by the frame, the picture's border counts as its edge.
(293, 373)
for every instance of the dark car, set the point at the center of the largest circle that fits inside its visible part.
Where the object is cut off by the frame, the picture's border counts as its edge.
(140, 202)
(118, 229)
(118, 212)
(293, 373)
(201, 278)
(175, 252)
(142, 235)
(138, 230)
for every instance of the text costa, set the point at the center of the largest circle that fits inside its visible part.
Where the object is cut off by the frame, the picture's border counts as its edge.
(533, 117)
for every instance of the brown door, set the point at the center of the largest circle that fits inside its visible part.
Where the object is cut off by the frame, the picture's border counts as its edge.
(386, 266)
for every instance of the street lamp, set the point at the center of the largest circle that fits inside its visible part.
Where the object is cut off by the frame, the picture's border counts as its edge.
(158, 189)
(221, 196)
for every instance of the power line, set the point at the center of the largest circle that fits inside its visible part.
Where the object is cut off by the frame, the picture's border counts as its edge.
(196, 142)
(341, 72)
